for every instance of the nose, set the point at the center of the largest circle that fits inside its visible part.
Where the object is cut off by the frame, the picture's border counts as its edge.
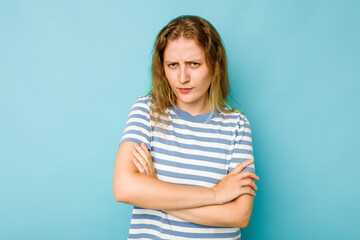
(184, 75)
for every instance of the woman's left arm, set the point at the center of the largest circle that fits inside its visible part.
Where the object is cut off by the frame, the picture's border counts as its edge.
(232, 214)
(236, 213)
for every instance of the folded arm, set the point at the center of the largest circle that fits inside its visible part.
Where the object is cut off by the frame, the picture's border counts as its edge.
(229, 213)
(132, 187)
(236, 213)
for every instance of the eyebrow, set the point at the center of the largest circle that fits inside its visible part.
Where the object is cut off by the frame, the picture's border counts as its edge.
(190, 61)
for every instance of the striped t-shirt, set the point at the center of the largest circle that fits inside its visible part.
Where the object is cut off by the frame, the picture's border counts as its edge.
(196, 151)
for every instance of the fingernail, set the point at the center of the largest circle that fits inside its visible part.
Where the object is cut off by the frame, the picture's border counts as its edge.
(133, 151)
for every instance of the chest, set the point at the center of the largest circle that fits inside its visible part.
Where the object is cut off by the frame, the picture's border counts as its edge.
(192, 155)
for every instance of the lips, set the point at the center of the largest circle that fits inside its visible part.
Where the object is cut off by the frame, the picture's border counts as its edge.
(185, 90)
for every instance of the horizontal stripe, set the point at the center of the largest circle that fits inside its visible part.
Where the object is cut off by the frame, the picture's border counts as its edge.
(191, 151)
(193, 235)
(215, 122)
(154, 219)
(190, 154)
(181, 160)
(143, 236)
(241, 152)
(214, 135)
(136, 118)
(132, 125)
(147, 236)
(139, 116)
(186, 176)
(194, 145)
(185, 182)
(131, 131)
(210, 125)
(139, 110)
(135, 138)
(201, 145)
(230, 123)
(251, 169)
(209, 129)
(214, 138)
(198, 178)
(198, 168)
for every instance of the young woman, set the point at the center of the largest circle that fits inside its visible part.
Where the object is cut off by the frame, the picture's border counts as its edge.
(185, 158)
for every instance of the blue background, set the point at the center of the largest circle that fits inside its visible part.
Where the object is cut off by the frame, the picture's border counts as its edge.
(70, 71)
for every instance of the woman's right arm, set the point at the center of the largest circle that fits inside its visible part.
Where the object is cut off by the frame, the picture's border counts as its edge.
(132, 187)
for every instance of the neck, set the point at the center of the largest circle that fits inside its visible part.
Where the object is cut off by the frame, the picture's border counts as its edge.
(195, 108)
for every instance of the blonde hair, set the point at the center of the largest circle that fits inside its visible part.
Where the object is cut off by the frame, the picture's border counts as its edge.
(206, 36)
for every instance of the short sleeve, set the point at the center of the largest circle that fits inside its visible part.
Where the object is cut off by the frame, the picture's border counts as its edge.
(138, 126)
(243, 149)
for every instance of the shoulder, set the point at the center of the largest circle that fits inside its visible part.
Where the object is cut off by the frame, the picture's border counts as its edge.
(238, 120)
(141, 105)
(236, 115)
(144, 101)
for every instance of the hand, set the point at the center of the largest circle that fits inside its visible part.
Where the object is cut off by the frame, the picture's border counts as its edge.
(143, 160)
(236, 183)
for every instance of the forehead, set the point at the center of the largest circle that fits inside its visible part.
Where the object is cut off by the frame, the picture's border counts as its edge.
(183, 49)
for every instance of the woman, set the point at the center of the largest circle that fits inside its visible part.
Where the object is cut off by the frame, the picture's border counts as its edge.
(185, 159)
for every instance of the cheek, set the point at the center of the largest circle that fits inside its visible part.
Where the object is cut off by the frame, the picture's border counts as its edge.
(204, 78)
(168, 74)
(170, 77)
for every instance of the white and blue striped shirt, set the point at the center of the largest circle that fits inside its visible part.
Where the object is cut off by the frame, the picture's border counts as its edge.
(196, 151)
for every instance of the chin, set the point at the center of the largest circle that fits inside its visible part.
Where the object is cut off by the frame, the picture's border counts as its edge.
(187, 100)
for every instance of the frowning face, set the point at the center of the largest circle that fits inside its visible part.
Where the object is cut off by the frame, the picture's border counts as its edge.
(188, 75)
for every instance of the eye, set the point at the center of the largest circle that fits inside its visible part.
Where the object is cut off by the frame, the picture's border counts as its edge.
(172, 65)
(195, 64)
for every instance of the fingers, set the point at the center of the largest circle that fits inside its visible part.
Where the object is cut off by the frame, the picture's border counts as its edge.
(249, 183)
(248, 174)
(142, 159)
(143, 145)
(241, 166)
(246, 181)
(139, 166)
(140, 162)
(143, 151)
(248, 190)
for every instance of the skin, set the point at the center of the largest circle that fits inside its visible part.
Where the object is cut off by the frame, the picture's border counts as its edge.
(234, 213)
(185, 67)
(228, 203)
(138, 189)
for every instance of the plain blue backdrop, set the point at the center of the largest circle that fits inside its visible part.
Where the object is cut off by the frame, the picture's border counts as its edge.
(70, 71)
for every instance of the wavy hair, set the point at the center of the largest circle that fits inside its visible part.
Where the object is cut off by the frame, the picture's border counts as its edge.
(206, 36)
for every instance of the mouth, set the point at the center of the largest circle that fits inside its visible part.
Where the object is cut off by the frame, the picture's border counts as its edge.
(185, 90)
